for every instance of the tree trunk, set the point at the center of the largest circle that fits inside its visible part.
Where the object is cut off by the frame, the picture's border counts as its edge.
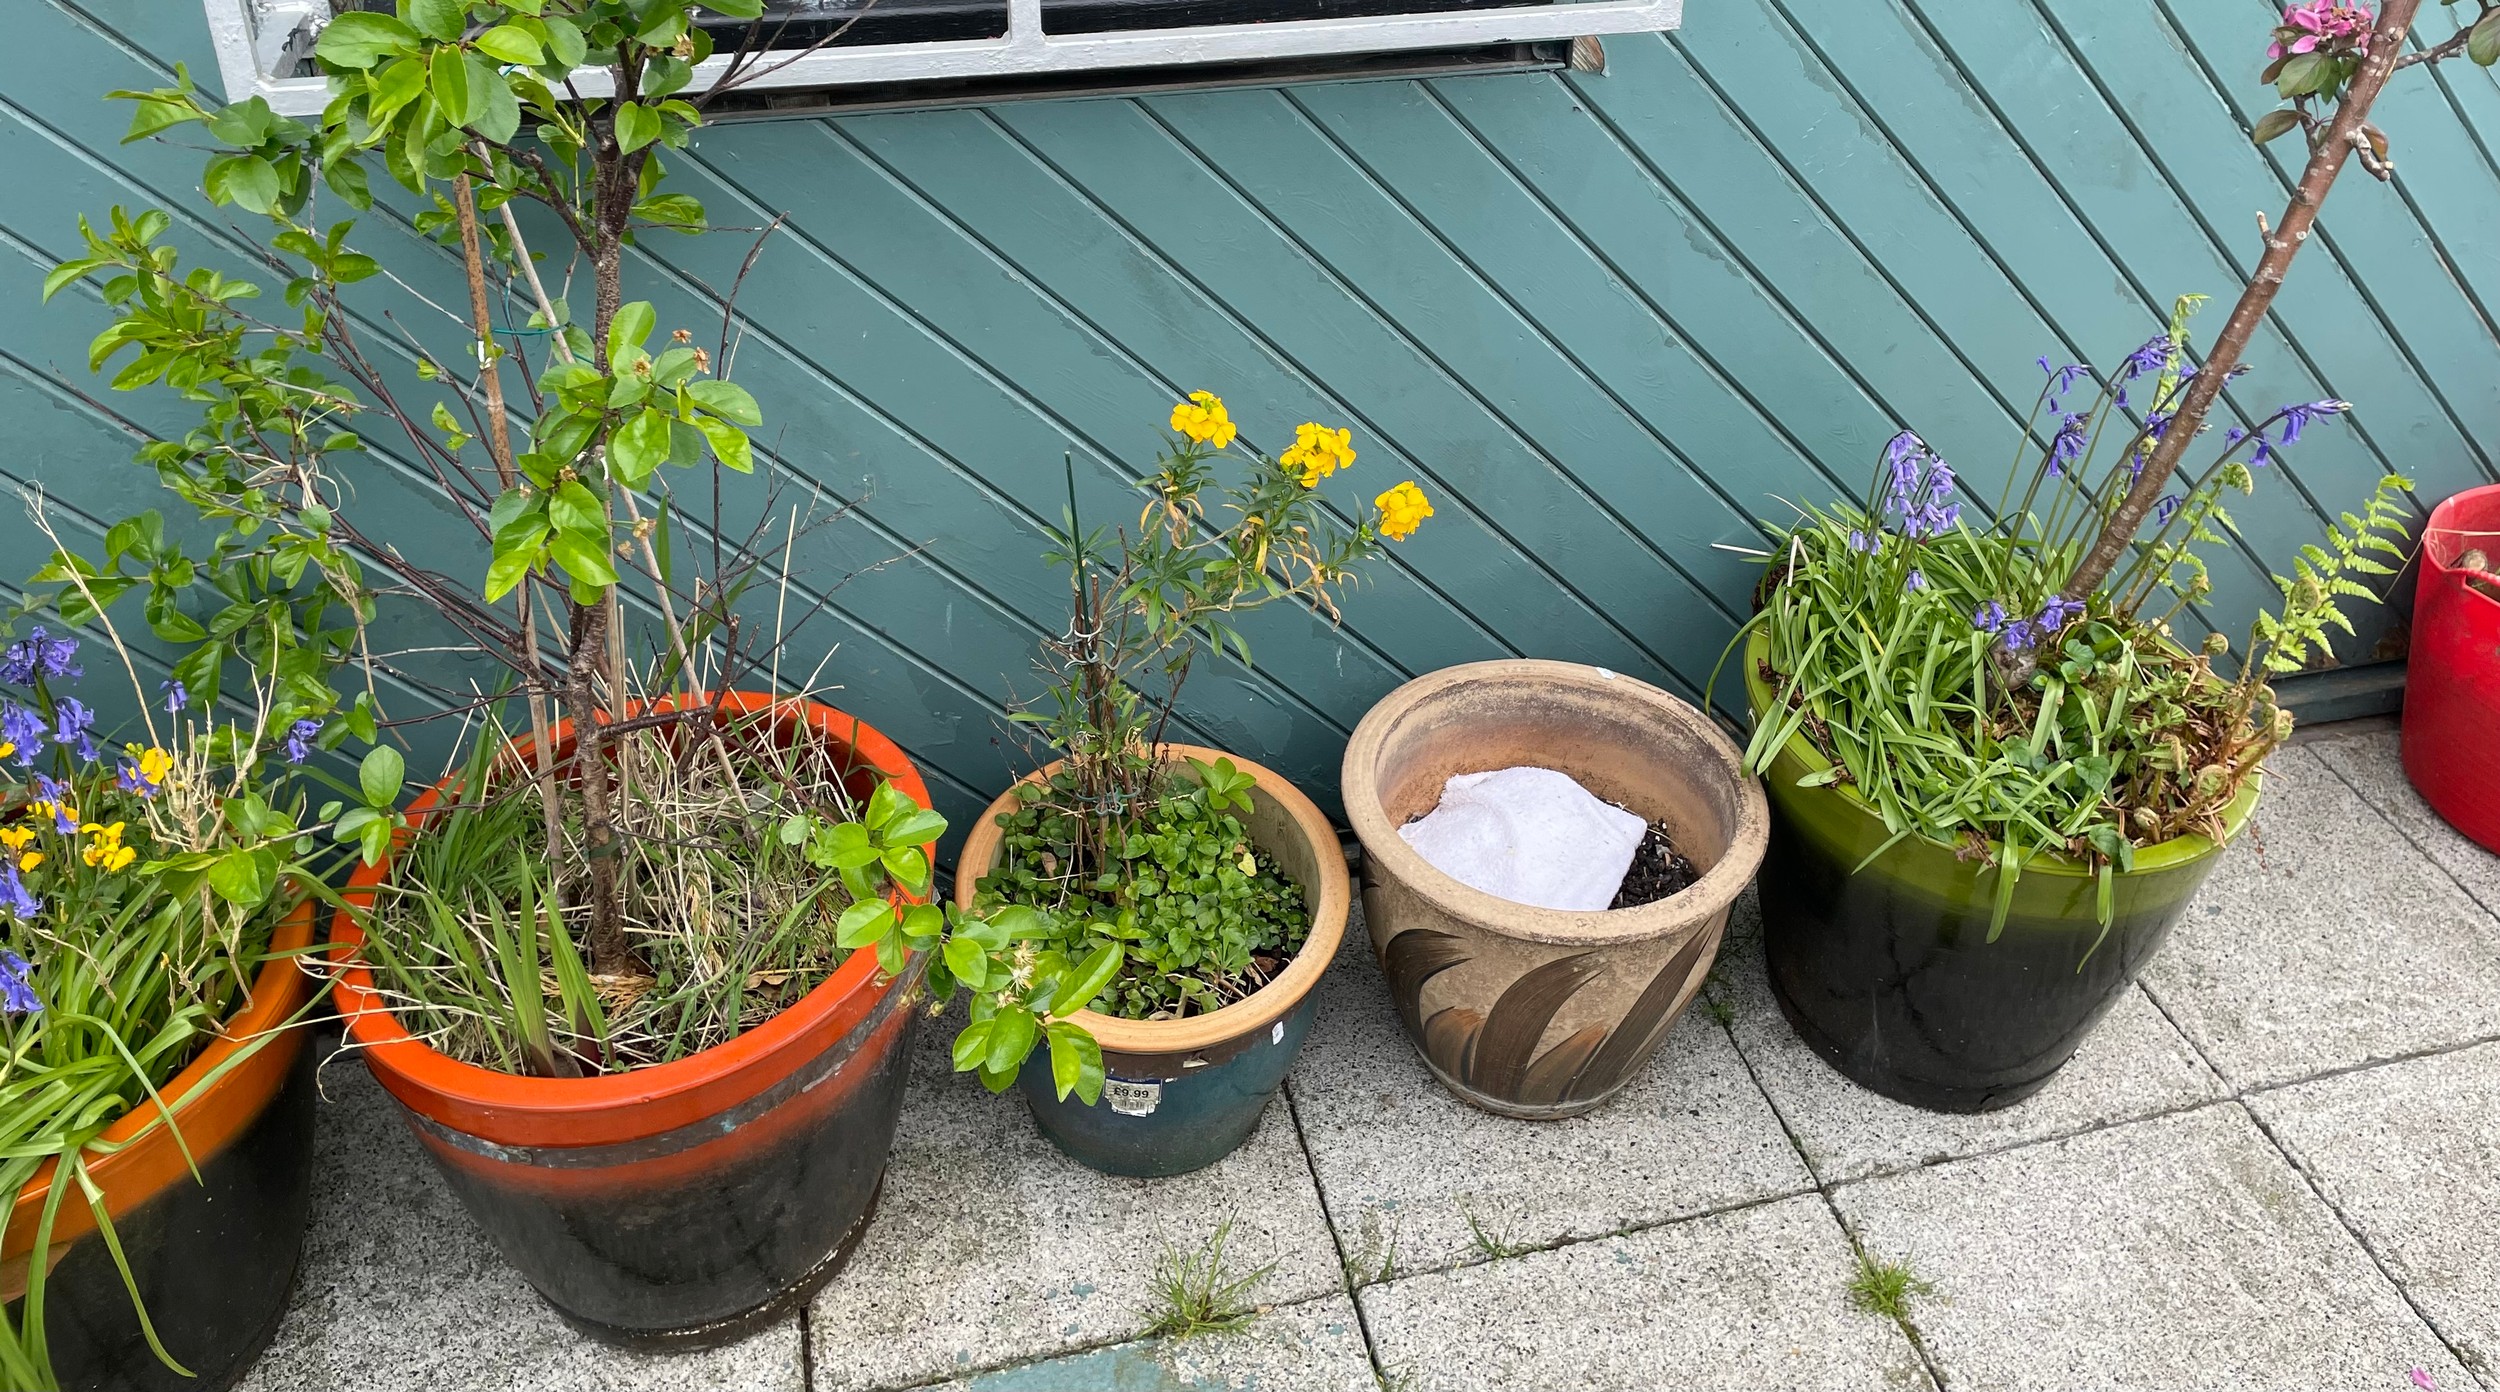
(499, 444)
(2282, 244)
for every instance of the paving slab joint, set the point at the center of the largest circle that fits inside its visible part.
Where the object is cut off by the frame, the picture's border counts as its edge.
(1336, 1239)
(2471, 1362)
(1822, 1188)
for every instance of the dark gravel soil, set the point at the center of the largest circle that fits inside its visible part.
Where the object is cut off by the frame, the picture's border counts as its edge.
(1657, 871)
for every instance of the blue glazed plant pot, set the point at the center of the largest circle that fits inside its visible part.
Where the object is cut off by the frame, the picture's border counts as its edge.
(1182, 1094)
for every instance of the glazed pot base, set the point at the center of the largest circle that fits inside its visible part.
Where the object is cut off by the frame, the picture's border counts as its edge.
(1485, 1102)
(736, 1327)
(1933, 1097)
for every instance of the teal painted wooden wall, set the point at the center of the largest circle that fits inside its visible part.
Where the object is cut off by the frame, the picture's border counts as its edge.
(1606, 322)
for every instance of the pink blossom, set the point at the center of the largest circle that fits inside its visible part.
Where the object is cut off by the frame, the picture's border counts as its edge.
(2319, 22)
(2422, 1380)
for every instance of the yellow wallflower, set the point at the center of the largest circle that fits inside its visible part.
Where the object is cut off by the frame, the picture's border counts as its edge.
(1402, 510)
(106, 850)
(7, 748)
(147, 770)
(1203, 420)
(15, 839)
(1318, 452)
(62, 814)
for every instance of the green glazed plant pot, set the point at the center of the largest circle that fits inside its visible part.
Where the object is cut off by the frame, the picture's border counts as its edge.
(1180, 1095)
(1887, 971)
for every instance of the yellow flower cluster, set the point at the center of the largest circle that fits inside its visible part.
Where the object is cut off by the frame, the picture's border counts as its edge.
(1318, 452)
(62, 814)
(1202, 419)
(15, 839)
(1402, 510)
(105, 850)
(148, 769)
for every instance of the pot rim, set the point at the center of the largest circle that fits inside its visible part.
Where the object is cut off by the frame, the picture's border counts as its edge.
(279, 989)
(2149, 860)
(1677, 914)
(558, 1112)
(1262, 1008)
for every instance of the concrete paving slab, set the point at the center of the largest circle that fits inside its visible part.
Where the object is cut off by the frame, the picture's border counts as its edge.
(1405, 1166)
(1316, 1346)
(2373, 763)
(2409, 1154)
(2325, 940)
(991, 1248)
(2134, 1065)
(1754, 1299)
(2181, 1252)
(399, 1291)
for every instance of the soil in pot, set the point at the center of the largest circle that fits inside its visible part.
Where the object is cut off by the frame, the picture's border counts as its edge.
(1183, 1090)
(1659, 870)
(689, 1200)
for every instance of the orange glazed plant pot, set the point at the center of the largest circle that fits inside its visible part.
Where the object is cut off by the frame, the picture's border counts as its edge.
(688, 1203)
(214, 1258)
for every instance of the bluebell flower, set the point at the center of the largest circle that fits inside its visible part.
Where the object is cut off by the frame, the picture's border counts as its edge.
(2294, 417)
(2234, 435)
(73, 728)
(2061, 380)
(2058, 612)
(1914, 582)
(2153, 357)
(2264, 453)
(15, 901)
(17, 990)
(39, 654)
(2066, 446)
(2165, 509)
(298, 742)
(2017, 635)
(176, 696)
(1863, 544)
(54, 791)
(1988, 617)
(22, 730)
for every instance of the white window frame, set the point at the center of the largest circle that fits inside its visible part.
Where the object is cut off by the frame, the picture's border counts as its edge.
(255, 38)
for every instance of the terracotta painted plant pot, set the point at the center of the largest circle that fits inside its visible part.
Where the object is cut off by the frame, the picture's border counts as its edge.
(214, 1257)
(1526, 1011)
(1888, 973)
(1182, 1094)
(687, 1203)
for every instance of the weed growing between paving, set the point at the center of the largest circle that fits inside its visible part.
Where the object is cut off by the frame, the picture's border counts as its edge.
(1886, 1288)
(1197, 1293)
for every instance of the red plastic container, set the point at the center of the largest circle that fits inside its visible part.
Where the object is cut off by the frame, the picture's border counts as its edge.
(2452, 680)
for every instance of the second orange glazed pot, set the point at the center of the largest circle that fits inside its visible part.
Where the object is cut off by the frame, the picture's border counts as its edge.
(687, 1203)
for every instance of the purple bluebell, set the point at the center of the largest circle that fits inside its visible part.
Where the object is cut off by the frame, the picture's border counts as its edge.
(2263, 454)
(176, 696)
(21, 727)
(2305, 413)
(73, 728)
(1914, 582)
(299, 738)
(2165, 509)
(14, 898)
(38, 655)
(2061, 380)
(1988, 617)
(17, 989)
(54, 791)
(2058, 612)
(2066, 446)
(1863, 544)
(2234, 435)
